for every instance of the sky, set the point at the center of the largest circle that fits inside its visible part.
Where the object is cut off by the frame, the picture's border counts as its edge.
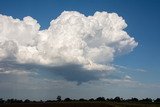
(79, 49)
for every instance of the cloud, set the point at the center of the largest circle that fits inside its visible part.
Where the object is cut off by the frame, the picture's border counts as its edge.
(121, 68)
(127, 77)
(90, 41)
(15, 72)
(69, 72)
(141, 70)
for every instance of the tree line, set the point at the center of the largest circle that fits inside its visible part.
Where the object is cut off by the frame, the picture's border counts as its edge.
(99, 99)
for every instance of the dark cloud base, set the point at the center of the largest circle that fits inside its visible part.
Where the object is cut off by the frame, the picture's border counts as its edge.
(69, 72)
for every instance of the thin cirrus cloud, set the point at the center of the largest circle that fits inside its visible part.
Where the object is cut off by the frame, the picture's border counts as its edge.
(72, 38)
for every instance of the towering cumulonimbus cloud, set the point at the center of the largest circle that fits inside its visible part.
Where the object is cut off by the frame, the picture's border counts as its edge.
(92, 41)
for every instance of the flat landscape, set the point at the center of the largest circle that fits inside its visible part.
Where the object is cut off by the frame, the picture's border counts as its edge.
(81, 104)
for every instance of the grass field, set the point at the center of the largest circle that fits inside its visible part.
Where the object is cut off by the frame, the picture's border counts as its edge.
(81, 104)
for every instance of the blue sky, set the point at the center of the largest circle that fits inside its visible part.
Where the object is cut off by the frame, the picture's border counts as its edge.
(142, 64)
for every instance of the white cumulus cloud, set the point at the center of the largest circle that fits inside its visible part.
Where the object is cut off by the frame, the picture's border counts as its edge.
(91, 41)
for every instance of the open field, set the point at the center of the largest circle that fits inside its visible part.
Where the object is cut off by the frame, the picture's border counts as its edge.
(81, 104)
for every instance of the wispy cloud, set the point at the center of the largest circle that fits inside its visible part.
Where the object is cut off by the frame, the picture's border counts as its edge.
(125, 68)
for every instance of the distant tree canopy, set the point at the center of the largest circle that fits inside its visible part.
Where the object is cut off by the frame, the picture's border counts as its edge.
(27, 101)
(82, 99)
(118, 99)
(67, 99)
(157, 100)
(147, 100)
(58, 98)
(99, 99)
(132, 100)
(92, 99)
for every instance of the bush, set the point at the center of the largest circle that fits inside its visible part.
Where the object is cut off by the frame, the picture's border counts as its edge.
(157, 100)
(100, 99)
(67, 99)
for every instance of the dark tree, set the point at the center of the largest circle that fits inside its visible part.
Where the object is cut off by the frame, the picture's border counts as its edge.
(118, 99)
(27, 101)
(50, 101)
(146, 100)
(1, 101)
(67, 99)
(91, 99)
(10, 101)
(157, 100)
(109, 99)
(100, 99)
(132, 100)
(59, 98)
(82, 99)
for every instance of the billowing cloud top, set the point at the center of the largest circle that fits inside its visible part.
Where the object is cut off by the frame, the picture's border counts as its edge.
(92, 41)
